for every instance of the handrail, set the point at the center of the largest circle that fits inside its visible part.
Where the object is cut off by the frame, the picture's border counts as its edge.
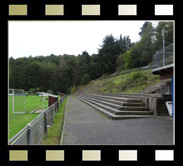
(163, 57)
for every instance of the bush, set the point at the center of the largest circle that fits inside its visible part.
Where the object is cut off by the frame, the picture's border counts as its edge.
(85, 79)
(73, 89)
(139, 78)
(136, 75)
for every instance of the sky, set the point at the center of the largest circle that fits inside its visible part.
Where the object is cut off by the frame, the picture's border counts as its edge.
(36, 38)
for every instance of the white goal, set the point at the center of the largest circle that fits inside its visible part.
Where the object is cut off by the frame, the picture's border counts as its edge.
(50, 92)
(17, 101)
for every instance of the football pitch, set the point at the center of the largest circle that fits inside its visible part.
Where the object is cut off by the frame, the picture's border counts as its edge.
(24, 105)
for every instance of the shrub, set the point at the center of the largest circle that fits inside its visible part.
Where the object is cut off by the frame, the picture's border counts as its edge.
(85, 79)
(136, 75)
(73, 89)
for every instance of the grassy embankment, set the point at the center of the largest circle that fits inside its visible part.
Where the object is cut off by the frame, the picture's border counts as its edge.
(132, 82)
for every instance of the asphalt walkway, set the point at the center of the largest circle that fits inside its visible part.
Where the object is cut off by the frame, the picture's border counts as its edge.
(86, 126)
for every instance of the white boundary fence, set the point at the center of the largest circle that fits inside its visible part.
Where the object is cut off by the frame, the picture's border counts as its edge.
(34, 132)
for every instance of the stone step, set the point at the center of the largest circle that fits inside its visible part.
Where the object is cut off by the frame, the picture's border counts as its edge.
(126, 95)
(123, 103)
(107, 108)
(112, 109)
(107, 103)
(133, 108)
(133, 104)
(117, 106)
(111, 115)
(104, 99)
(122, 99)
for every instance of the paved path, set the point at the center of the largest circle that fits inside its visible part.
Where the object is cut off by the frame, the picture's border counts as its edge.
(86, 126)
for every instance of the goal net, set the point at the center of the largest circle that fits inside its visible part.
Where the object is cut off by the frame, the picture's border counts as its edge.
(17, 101)
(50, 91)
(29, 93)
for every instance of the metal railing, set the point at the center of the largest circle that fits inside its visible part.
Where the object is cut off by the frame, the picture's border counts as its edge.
(34, 132)
(126, 71)
(163, 57)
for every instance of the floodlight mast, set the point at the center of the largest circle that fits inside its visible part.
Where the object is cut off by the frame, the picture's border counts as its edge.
(163, 32)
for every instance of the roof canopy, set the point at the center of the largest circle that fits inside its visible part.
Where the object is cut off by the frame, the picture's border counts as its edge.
(47, 94)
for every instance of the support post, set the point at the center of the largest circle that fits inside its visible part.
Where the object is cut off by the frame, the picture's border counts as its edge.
(29, 134)
(163, 35)
(45, 122)
(172, 100)
(51, 115)
(163, 50)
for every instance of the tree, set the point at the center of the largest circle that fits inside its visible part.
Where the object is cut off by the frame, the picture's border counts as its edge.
(65, 73)
(168, 26)
(146, 45)
(84, 63)
(107, 55)
(144, 28)
(94, 68)
(76, 71)
(85, 79)
(141, 53)
(33, 75)
(120, 62)
(47, 75)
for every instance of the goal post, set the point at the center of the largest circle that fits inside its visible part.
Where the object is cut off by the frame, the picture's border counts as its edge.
(17, 102)
(44, 97)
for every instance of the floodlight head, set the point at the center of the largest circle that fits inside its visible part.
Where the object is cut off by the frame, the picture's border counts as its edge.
(163, 32)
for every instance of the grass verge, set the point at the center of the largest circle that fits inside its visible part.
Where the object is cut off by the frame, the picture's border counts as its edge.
(54, 132)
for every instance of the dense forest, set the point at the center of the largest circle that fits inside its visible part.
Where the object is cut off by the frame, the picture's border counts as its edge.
(61, 72)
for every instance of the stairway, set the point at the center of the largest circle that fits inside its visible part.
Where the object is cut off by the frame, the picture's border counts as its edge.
(117, 106)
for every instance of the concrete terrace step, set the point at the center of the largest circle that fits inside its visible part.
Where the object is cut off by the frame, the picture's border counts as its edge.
(112, 115)
(104, 99)
(112, 109)
(133, 104)
(107, 108)
(126, 95)
(117, 106)
(123, 103)
(107, 103)
(122, 99)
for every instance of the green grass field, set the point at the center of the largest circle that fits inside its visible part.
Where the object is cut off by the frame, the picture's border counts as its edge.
(17, 121)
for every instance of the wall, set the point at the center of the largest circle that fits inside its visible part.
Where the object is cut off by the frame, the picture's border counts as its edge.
(157, 104)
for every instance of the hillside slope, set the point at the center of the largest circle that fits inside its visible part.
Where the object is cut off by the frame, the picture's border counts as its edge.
(141, 81)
